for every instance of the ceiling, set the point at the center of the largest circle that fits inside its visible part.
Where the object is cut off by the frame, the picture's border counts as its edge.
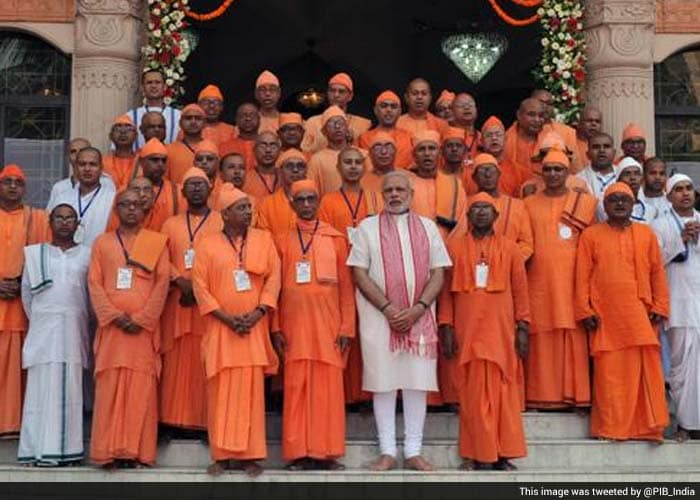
(380, 43)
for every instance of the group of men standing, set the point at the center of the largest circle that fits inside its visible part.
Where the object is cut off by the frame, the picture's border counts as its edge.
(455, 266)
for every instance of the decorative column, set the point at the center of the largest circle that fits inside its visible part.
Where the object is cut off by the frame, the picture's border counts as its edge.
(620, 40)
(105, 65)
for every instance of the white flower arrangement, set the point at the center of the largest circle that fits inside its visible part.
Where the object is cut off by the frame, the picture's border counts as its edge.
(562, 68)
(167, 48)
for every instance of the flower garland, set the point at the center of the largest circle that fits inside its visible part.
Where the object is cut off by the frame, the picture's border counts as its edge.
(210, 15)
(511, 20)
(562, 68)
(167, 47)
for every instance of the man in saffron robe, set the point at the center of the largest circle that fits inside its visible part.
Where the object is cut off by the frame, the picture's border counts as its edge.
(211, 100)
(484, 307)
(382, 156)
(398, 260)
(128, 283)
(120, 163)
(557, 374)
(621, 296)
(20, 225)
(493, 142)
(181, 152)
(443, 105)
(340, 93)
(522, 137)
(247, 123)
(633, 143)
(206, 157)
(267, 95)
(291, 131)
(344, 210)
(453, 153)
(387, 109)
(322, 165)
(263, 179)
(275, 212)
(182, 387)
(465, 114)
(567, 133)
(168, 201)
(311, 333)
(418, 118)
(236, 280)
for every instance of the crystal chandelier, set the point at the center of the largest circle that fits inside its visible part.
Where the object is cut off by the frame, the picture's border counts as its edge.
(475, 53)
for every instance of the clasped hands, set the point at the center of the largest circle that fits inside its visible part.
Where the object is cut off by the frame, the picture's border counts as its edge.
(401, 320)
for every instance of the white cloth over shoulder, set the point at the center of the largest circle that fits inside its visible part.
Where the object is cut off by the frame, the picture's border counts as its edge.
(58, 316)
(384, 370)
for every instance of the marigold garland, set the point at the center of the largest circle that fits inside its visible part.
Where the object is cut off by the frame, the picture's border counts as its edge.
(527, 3)
(511, 20)
(210, 15)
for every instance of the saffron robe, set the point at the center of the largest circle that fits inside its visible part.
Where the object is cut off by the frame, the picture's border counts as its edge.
(314, 140)
(402, 138)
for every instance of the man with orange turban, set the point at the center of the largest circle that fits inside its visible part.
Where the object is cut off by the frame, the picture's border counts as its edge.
(621, 296)
(567, 133)
(633, 143)
(168, 199)
(387, 109)
(267, 94)
(182, 384)
(443, 105)
(21, 225)
(322, 165)
(418, 118)
(311, 333)
(340, 93)
(453, 153)
(211, 100)
(181, 152)
(275, 212)
(291, 131)
(236, 281)
(128, 283)
(557, 374)
(382, 156)
(484, 318)
(120, 163)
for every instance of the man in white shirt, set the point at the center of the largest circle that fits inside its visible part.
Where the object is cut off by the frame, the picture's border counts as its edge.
(55, 351)
(398, 261)
(631, 173)
(153, 88)
(652, 191)
(91, 196)
(601, 172)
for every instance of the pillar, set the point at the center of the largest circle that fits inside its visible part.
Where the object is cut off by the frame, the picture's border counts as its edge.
(105, 65)
(620, 81)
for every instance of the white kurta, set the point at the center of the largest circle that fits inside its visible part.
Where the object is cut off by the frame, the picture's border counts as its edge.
(384, 370)
(683, 325)
(597, 184)
(55, 353)
(96, 212)
(60, 187)
(660, 204)
(172, 122)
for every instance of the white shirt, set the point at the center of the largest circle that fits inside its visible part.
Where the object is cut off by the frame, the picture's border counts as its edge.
(597, 184)
(58, 315)
(60, 187)
(172, 122)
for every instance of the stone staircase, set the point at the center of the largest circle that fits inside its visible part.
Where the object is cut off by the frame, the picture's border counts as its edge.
(558, 450)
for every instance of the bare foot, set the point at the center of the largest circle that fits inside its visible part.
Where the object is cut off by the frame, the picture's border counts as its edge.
(467, 464)
(681, 435)
(504, 464)
(304, 463)
(109, 467)
(383, 463)
(217, 468)
(418, 463)
(330, 465)
(251, 468)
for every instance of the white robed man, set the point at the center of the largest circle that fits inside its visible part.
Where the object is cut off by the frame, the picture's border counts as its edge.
(678, 230)
(92, 196)
(398, 260)
(55, 352)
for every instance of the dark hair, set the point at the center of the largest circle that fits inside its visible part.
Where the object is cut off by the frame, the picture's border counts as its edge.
(61, 205)
(151, 70)
(650, 161)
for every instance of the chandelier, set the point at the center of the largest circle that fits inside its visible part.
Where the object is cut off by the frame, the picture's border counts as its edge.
(475, 53)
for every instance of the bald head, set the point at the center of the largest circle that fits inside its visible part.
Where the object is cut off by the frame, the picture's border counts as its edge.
(464, 110)
(247, 119)
(531, 117)
(73, 147)
(418, 97)
(267, 149)
(547, 100)
(153, 125)
(591, 122)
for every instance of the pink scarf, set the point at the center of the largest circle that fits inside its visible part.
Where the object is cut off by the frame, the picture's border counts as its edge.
(395, 282)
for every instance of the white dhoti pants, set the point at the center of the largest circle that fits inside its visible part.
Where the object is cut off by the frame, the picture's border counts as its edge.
(414, 408)
(684, 375)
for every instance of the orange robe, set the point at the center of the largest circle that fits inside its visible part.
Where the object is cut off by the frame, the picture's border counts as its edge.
(440, 199)
(168, 202)
(269, 123)
(490, 425)
(275, 214)
(572, 182)
(512, 177)
(180, 160)
(620, 279)
(127, 366)
(183, 384)
(242, 146)
(371, 184)
(219, 133)
(582, 151)
(571, 141)
(404, 148)
(557, 371)
(236, 364)
(519, 152)
(413, 125)
(315, 141)
(338, 212)
(312, 316)
(323, 170)
(260, 185)
(18, 228)
(120, 169)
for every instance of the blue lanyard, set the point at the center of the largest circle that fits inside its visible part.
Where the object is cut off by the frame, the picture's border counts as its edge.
(199, 226)
(644, 212)
(81, 211)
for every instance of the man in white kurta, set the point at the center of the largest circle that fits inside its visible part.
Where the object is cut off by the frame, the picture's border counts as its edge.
(385, 322)
(678, 231)
(55, 351)
(92, 197)
(600, 172)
